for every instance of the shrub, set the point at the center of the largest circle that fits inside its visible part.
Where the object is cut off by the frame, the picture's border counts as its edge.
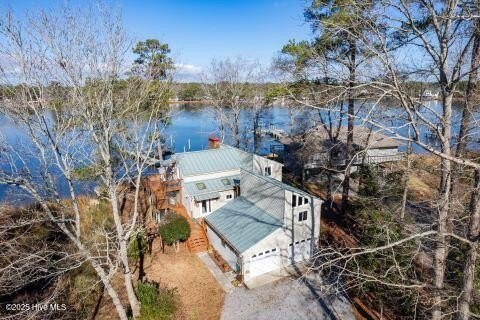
(157, 303)
(137, 245)
(368, 181)
(174, 228)
(85, 173)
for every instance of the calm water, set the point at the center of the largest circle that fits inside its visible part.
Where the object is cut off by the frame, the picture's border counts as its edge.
(191, 126)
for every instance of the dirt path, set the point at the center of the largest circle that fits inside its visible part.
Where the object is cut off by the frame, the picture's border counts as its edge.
(200, 294)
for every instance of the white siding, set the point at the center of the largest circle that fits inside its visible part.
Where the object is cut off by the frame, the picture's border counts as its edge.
(259, 164)
(187, 203)
(222, 248)
(305, 233)
(195, 208)
(302, 229)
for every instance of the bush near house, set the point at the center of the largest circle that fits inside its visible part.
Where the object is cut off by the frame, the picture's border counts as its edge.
(174, 229)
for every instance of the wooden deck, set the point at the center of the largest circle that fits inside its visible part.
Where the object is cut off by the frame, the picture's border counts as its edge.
(157, 194)
(198, 241)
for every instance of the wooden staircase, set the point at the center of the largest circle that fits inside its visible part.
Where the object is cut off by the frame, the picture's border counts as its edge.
(198, 241)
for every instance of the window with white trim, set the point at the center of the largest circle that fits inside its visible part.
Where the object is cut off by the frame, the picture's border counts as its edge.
(267, 171)
(302, 216)
(206, 206)
(228, 196)
(298, 201)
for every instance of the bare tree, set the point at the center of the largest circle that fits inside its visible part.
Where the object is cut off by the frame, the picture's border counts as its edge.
(96, 124)
(442, 33)
(227, 84)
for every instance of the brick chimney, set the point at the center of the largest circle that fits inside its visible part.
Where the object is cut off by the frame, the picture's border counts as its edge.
(213, 142)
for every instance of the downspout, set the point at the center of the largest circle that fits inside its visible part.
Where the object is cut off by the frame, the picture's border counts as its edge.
(312, 233)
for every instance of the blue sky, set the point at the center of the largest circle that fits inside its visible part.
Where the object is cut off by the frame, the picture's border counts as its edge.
(198, 31)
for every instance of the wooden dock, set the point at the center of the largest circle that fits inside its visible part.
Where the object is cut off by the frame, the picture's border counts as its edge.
(278, 134)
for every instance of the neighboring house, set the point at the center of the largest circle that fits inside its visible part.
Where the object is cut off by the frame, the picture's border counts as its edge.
(270, 226)
(316, 149)
(211, 177)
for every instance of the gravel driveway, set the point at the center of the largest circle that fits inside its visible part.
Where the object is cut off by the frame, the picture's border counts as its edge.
(287, 299)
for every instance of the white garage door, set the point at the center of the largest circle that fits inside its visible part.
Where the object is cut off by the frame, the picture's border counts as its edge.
(264, 262)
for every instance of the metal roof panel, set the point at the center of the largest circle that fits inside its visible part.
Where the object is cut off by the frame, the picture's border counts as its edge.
(242, 223)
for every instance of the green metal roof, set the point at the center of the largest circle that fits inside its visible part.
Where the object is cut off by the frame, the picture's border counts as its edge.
(225, 158)
(280, 184)
(206, 196)
(242, 224)
(217, 184)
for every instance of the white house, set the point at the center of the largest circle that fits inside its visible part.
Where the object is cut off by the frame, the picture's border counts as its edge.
(211, 178)
(270, 226)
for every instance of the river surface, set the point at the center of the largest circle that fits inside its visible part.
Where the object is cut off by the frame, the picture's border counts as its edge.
(191, 126)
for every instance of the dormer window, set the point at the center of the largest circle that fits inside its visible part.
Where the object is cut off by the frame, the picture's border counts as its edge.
(267, 171)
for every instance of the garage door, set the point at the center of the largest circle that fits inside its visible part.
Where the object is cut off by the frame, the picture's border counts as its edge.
(264, 262)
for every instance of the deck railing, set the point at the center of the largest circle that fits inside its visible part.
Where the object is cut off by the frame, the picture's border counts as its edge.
(358, 160)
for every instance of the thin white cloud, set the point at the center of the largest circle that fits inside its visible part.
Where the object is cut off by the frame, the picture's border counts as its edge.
(185, 72)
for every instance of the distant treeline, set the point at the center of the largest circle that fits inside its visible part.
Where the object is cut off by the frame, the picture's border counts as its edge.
(196, 91)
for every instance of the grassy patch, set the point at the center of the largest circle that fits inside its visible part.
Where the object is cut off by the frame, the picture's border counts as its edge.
(158, 303)
(418, 189)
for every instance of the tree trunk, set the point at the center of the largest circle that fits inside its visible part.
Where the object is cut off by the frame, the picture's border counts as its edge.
(141, 258)
(236, 129)
(123, 250)
(256, 134)
(291, 119)
(160, 154)
(470, 95)
(122, 314)
(98, 304)
(441, 249)
(350, 124)
(406, 176)
(471, 259)
(474, 207)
